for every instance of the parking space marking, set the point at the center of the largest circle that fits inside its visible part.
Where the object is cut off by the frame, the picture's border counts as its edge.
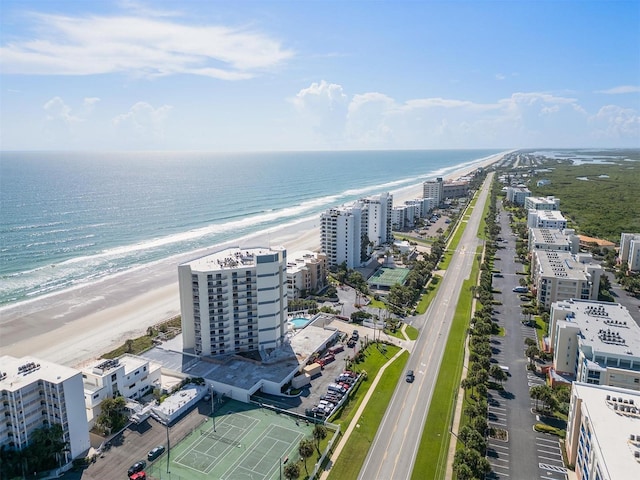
(546, 440)
(550, 459)
(553, 468)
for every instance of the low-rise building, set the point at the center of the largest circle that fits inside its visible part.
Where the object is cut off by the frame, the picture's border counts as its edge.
(603, 433)
(562, 276)
(517, 194)
(457, 189)
(35, 394)
(553, 239)
(546, 219)
(542, 203)
(306, 273)
(129, 376)
(630, 250)
(595, 342)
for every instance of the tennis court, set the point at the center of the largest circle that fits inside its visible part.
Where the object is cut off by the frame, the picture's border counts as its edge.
(387, 277)
(246, 443)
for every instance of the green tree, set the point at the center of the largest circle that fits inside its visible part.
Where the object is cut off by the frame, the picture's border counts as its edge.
(112, 417)
(291, 471)
(47, 447)
(305, 449)
(531, 353)
(497, 373)
(319, 434)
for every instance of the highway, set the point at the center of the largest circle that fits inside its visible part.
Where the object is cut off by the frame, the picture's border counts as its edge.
(393, 451)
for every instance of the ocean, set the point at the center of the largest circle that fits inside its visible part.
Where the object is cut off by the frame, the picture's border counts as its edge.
(70, 218)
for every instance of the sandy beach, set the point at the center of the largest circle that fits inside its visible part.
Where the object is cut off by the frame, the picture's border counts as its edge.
(75, 326)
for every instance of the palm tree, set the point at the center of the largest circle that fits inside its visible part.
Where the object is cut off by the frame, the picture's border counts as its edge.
(305, 449)
(319, 434)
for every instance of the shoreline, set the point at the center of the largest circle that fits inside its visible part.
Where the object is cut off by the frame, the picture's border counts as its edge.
(81, 323)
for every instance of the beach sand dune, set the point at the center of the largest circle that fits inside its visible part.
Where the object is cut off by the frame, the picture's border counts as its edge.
(78, 325)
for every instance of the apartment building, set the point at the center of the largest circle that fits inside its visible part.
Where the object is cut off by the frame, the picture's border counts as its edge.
(306, 273)
(559, 275)
(457, 189)
(399, 217)
(434, 189)
(376, 218)
(630, 250)
(546, 219)
(128, 376)
(35, 394)
(234, 301)
(564, 240)
(603, 438)
(518, 194)
(542, 203)
(596, 342)
(341, 235)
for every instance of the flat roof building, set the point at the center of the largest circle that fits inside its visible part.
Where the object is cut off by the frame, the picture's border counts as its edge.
(341, 235)
(542, 203)
(306, 273)
(546, 219)
(35, 394)
(234, 300)
(553, 239)
(559, 275)
(517, 195)
(129, 376)
(603, 432)
(434, 189)
(630, 250)
(597, 342)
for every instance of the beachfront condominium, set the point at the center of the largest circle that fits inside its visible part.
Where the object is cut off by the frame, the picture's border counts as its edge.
(376, 218)
(562, 275)
(129, 376)
(630, 250)
(306, 273)
(595, 342)
(434, 189)
(341, 235)
(603, 438)
(36, 394)
(234, 301)
(541, 203)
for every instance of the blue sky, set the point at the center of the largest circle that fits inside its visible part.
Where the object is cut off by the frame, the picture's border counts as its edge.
(318, 75)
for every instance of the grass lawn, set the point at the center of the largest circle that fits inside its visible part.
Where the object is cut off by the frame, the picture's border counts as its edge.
(432, 289)
(353, 454)
(412, 332)
(431, 460)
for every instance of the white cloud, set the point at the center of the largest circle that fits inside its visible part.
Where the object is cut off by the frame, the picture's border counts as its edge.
(142, 120)
(58, 111)
(323, 108)
(616, 122)
(621, 89)
(145, 46)
(500, 76)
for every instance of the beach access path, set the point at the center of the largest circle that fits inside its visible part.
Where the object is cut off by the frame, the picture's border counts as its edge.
(76, 326)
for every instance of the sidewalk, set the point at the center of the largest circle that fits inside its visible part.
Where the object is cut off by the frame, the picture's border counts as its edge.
(356, 417)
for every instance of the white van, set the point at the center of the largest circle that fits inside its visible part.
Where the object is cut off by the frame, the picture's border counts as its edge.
(334, 387)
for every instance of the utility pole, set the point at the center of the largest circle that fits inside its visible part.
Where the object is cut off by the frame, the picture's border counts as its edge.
(168, 445)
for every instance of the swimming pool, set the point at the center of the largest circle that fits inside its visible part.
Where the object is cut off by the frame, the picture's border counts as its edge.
(299, 322)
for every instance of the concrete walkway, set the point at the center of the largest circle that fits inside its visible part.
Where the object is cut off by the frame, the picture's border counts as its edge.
(345, 437)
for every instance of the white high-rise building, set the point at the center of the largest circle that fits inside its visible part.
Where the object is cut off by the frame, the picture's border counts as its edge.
(434, 189)
(341, 235)
(234, 301)
(376, 218)
(35, 394)
(541, 203)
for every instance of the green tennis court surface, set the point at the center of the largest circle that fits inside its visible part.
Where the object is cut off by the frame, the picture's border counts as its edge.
(248, 443)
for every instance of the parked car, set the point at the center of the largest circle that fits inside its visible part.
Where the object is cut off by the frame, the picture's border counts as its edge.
(139, 476)
(136, 467)
(155, 453)
(521, 290)
(410, 376)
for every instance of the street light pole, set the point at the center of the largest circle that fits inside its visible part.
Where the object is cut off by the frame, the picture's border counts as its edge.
(168, 445)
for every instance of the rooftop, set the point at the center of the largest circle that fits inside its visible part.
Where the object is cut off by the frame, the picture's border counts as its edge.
(231, 258)
(614, 414)
(552, 263)
(549, 214)
(606, 327)
(17, 373)
(551, 236)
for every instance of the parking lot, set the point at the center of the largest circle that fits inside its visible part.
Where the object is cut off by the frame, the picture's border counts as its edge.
(511, 410)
